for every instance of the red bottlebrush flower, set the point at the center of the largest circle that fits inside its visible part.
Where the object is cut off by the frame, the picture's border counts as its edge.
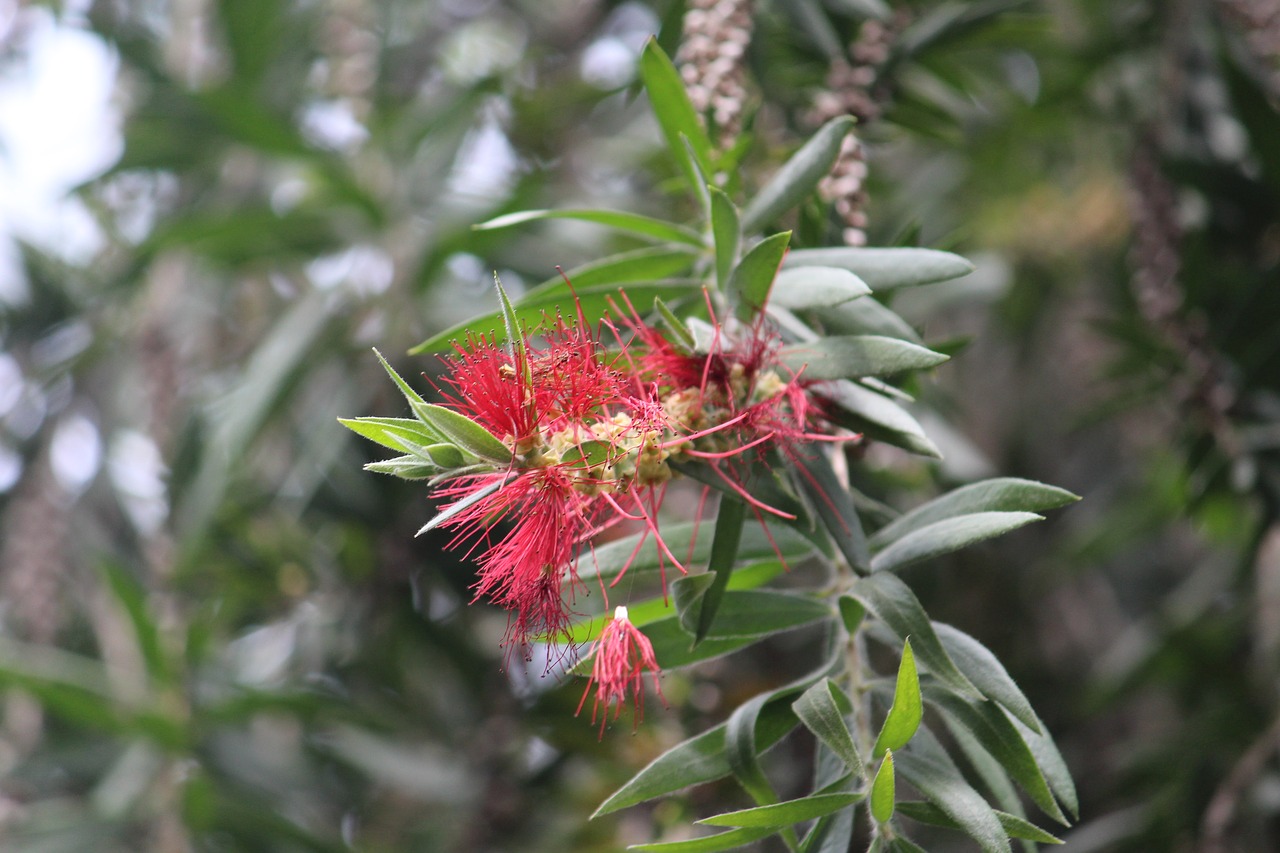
(622, 653)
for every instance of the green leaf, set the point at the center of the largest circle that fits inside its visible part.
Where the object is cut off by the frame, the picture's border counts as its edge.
(877, 416)
(1003, 494)
(852, 612)
(408, 392)
(851, 356)
(799, 288)
(460, 505)
(651, 610)
(727, 233)
(757, 612)
(707, 844)
(740, 750)
(798, 177)
(447, 456)
(133, 600)
(819, 708)
(863, 317)
(907, 709)
(1050, 762)
(833, 504)
(986, 672)
(645, 226)
(1014, 826)
(752, 278)
(649, 264)
(633, 556)
(882, 791)
(405, 467)
(678, 332)
(674, 111)
(724, 553)
(987, 722)
(892, 600)
(785, 814)
(515, 337)
(530, 309)
(464, 432)
(387, 431)
(947, 535)
(886, 269)
(943, 786)
(699, 759)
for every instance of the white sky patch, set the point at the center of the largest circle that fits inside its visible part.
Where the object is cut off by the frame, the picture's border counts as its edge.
(58, 128)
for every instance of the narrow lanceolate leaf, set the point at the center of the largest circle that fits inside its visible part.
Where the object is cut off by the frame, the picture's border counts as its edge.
(877, 416)
(1014, 826)
(798, 177)
(724, 553)
(674, 111)
(515, 335)
(834, 506)
(799, 288)
(886, 269)
(699, 759)
(709, 844)
(404, 467)
(752, 278)
(852, 356)
(595, 301)
(461, 505)
(644, 226)
(641, 613)
(386, 431)
(785, 814)
(133, 600)
(819, 709)
(640, 557)
(677, 332)
(943, 786)
(727, 234)
(947, 535)
(887, 596)
(986, 672)
(408, 392)
(464, 432)
(864, 317)
(995, 731)
(907, 709)
(1003, 494)
(740, 750)
(882, 791)
(1050, 762)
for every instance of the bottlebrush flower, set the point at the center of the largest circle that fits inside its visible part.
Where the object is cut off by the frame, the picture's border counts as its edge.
(622, 654)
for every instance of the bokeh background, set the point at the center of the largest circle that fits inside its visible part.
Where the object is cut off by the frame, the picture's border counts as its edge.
(217, 633)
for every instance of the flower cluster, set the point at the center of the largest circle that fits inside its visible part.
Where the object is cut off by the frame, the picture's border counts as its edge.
(595, 435)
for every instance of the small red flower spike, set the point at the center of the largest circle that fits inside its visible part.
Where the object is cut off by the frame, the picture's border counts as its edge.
(623, 653)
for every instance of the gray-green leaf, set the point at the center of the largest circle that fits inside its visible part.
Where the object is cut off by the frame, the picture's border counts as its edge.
(799, 288)
(947, 535)
(798, 177)
(1003, 494)
(886, 269)
(852, 356)
(819, 709)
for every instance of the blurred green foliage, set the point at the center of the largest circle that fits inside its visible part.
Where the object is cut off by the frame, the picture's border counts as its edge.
(228, 638)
